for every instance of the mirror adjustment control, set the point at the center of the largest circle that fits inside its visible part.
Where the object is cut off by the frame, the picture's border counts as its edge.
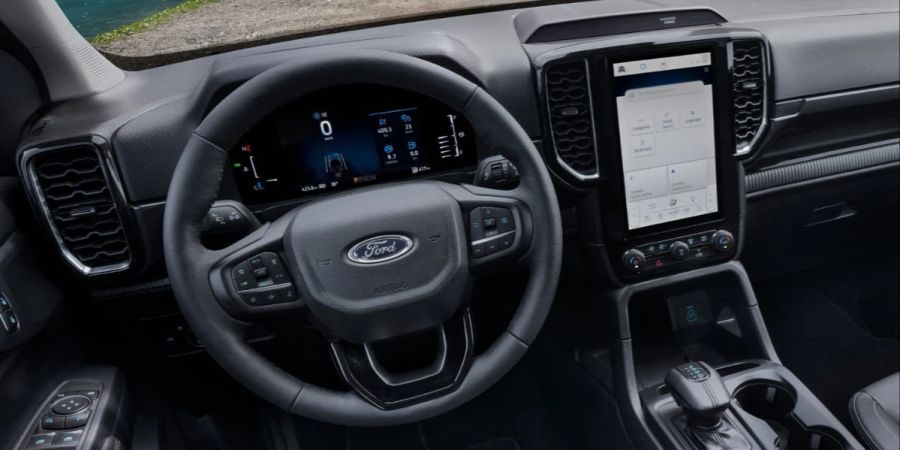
(633, 260)
(70, 405)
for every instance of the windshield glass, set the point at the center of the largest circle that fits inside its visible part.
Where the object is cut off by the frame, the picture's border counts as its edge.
(145, 28)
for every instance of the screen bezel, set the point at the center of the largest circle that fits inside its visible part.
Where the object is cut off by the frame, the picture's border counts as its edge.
(613, 199)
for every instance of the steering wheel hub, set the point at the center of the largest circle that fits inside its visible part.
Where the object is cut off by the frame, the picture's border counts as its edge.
(411, 271)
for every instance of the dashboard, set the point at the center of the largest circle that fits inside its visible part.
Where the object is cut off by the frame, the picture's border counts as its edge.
(651, 118)
(348, 137)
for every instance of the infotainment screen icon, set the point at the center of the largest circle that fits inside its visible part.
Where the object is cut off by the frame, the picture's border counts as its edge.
(667, 138)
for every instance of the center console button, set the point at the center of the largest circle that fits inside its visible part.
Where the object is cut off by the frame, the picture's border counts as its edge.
(679, 250)
(723, 241)
(633, 260)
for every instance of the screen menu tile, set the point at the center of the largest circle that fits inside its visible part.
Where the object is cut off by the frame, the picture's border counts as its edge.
(667, 138)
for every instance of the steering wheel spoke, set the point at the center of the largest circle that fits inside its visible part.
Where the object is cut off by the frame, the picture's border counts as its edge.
(361, 366)
(251, 278)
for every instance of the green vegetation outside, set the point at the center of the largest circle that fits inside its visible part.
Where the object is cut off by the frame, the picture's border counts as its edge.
(148, 22)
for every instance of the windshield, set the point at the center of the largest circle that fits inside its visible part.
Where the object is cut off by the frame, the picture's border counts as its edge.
(146, 28)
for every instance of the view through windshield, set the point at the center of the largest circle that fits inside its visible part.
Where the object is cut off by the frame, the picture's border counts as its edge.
(140, 28)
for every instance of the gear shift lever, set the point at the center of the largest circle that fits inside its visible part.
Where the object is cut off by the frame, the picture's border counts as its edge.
(700, 392)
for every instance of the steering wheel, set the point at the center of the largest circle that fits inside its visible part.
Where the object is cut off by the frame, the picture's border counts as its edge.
(369, 264)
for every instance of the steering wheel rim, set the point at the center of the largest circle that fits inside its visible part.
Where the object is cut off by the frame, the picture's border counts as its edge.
(196, 182)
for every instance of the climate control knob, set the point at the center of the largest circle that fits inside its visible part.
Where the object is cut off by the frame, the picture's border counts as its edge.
(633, 260)
(679, 250)
(723, 241)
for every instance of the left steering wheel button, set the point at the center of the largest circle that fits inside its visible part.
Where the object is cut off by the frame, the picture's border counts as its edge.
(243, 277)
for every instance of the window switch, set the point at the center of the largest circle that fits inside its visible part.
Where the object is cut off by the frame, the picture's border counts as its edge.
(40, 440)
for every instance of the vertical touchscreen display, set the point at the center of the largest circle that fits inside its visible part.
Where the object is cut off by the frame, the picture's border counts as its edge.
(667, 138)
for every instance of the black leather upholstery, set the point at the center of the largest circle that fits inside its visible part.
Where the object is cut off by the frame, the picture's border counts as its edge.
(876, 413)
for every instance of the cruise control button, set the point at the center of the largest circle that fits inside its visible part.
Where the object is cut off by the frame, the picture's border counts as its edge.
(256, 262)
(287, 294)
(490, 222)
(243, 277)
(78, 420)
(51, 422)
(272, 261)
(507, 241)
(270, 297)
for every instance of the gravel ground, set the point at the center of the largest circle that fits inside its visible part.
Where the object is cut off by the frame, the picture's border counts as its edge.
(235, 21)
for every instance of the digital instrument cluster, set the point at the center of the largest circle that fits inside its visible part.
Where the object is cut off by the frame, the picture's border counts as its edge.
(346, 137)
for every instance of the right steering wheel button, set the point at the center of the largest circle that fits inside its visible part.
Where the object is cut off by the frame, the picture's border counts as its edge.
(507, 241)
(505, 221)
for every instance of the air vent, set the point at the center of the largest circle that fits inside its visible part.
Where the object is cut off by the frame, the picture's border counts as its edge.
(571, 118)
(748, 72)
(75, 195)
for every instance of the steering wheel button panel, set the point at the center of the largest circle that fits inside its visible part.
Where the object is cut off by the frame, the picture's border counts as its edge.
(492, 229)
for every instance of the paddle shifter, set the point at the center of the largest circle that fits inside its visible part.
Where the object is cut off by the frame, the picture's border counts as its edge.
(702, 395)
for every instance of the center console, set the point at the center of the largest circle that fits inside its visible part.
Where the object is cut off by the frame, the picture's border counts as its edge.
(653, 126)
(668, 117)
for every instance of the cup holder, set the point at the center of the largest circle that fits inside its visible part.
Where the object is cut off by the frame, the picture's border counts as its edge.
(775, 404)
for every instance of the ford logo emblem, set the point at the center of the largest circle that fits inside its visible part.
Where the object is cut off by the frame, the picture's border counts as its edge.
(380, 249)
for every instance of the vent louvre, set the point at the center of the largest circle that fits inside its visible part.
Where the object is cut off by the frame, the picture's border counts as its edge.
(748, 72)
(79, 204)
(571, 118)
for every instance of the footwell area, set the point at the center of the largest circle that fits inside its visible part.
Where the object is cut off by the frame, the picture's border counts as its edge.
(836, 326)
(548, 401)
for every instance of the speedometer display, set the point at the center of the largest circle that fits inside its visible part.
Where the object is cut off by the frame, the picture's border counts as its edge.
(345, 137)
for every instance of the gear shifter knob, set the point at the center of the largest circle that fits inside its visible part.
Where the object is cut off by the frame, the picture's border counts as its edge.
(700, 392)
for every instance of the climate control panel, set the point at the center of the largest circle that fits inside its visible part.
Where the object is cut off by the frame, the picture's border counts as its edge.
(691, 250)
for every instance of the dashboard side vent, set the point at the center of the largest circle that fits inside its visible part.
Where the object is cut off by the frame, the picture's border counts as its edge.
(748, 74)
(75, 195)
(571, 117)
